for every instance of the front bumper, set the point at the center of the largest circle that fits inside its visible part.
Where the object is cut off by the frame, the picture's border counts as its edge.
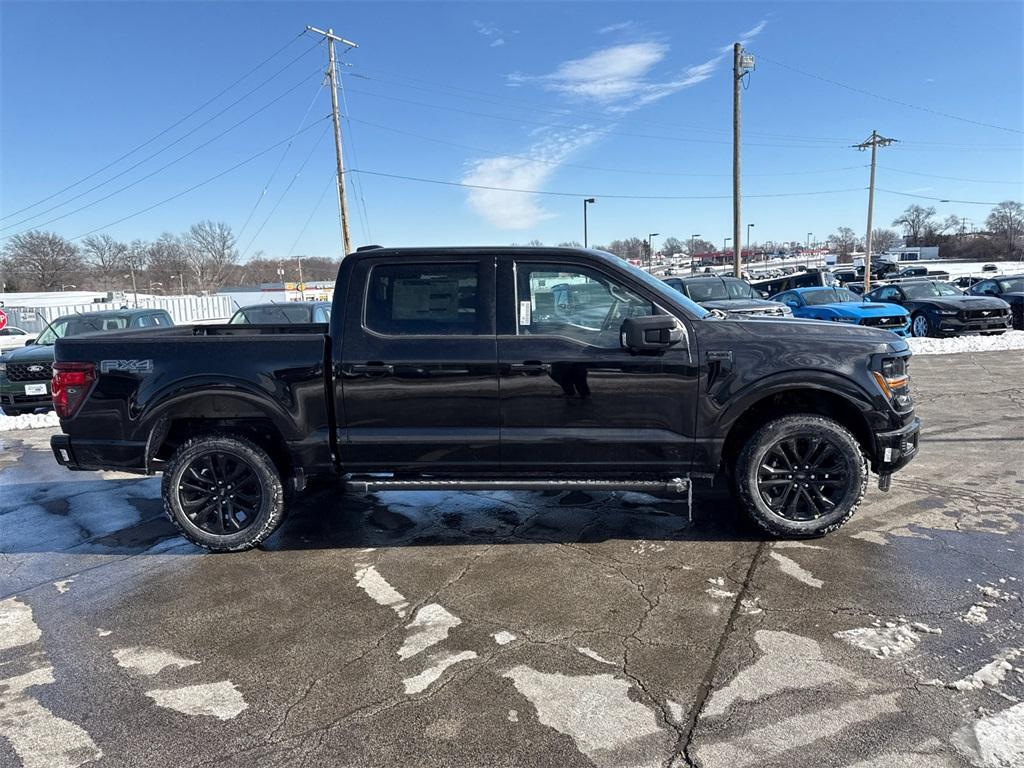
(895, 449)
(12, 393)
(955, 326)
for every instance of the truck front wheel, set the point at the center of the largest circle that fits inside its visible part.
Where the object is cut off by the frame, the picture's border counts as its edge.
(801, 476)
(223, 493)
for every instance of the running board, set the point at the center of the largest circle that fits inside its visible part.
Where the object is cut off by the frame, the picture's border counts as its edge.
(676, 485)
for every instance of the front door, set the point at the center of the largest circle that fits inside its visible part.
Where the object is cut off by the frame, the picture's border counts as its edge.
(573, 400)
(418, 370)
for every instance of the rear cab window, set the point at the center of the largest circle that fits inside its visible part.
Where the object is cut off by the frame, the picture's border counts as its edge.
(425, 299)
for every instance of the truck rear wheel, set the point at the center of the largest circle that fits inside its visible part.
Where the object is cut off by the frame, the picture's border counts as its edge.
(801, 476)
(223, 493)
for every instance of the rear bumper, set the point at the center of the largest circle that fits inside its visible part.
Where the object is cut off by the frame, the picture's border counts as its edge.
(115, 455)
(895, 449)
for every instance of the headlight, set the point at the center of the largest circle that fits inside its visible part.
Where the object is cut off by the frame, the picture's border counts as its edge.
(894, 381)
(948, 312)
(3, 369)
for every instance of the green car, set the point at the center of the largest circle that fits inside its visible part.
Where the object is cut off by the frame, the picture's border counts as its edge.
(25, 373)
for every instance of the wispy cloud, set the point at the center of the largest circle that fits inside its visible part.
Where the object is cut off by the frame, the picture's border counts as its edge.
(754, 32)
(514, 210)
(622, 26)
(492, 33)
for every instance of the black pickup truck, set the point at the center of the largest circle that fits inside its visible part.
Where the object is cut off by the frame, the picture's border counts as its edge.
(491, 368)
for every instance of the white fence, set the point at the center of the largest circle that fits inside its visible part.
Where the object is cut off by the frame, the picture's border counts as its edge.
(183, 309)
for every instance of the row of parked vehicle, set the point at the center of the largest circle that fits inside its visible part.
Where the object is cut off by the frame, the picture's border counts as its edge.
(916, 306)
(26, 365)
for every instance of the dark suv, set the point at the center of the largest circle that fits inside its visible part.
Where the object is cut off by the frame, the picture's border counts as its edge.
(729, 294)
(25, 373)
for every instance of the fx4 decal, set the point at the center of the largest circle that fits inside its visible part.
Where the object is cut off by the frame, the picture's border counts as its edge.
(126, 366)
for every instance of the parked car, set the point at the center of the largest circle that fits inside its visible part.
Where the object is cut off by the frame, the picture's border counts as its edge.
(453, 368)
(919, 271)
(1009, 288)
(842, 306)
(990, 268)
(729, 294)
(25, 373)
(938, 309)
(966, 281)
(809, 279)
(12, 337)
(287, 312)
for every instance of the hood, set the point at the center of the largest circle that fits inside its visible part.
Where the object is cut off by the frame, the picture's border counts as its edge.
(743, 305)
(958, 303)
(1016, 297)
(34, 353)
(865, 309)
(814, 331)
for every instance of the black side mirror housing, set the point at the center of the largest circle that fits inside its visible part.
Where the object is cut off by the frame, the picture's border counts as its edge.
(652, 333)
(29, 342)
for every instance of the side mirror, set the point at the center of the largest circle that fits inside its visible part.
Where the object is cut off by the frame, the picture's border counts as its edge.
(652, 333)
(29, 342)
(764, 294)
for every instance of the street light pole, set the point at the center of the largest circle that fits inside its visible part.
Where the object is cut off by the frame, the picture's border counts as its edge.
(587, 200)
(748, 239)
(725, 246)
(809, 235)
(692, 238)
(650, 250)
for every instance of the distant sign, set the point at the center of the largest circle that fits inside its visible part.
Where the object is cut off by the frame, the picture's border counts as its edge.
(3, 319)
(301, 287)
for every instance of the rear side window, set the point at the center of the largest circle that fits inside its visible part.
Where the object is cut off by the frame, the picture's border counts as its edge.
(161, 321)
(424, 300)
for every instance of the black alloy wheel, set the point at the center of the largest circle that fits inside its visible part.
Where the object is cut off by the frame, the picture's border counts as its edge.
(220, 492)
(803, 477)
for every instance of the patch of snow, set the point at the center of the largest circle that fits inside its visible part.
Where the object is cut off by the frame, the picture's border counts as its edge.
(423, 680)
(17, 627)
(720, 594)
(1010, 340)
(63, 585)
(102, 632)
(792, 568)
(890, 640)
(718, 582)
(503, 637)
(221, 700)
(976, 614)
(513, 716)
(591, 653)
(992, 674)
(429, 627)
(28, 421)
(996, 741)
(148, 660)
(377, 587)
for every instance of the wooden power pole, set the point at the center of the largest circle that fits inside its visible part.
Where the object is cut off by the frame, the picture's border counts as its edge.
(875, 141)
(742, 62)
(332, 75)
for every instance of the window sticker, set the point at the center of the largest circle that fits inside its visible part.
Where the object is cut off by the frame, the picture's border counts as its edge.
(525, 309)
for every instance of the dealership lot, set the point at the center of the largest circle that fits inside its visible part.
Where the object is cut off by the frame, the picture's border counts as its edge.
(529, 629)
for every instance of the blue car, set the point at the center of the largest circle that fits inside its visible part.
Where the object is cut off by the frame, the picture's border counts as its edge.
(843, 306)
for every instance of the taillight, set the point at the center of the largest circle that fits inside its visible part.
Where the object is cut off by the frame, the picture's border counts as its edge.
(69, 386)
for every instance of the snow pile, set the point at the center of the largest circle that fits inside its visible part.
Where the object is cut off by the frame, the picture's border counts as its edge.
(891, 640)
(28, 421)
(992, 674)
(928, 346)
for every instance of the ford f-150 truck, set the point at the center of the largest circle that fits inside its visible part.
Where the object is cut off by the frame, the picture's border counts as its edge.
(491, 368)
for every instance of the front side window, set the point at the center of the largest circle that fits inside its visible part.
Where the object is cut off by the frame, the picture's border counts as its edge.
(576, 302)
(424, 300)
(739, 290)
(1013, 285)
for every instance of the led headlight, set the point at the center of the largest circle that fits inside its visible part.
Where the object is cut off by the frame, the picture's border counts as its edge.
(894, 381)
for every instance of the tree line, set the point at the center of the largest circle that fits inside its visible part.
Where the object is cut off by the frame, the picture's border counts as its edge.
(204, 257)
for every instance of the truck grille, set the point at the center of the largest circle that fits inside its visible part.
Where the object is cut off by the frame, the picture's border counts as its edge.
(885, 322)
(29, 371)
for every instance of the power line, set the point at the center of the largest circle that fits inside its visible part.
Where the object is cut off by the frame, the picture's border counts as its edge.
(160, 151)
(323, 193)
(949, 178)
(592, 194)
(162, 168)
(169, 128)
(889, 98)
(352, 143)
(194, 187)
(936, 199)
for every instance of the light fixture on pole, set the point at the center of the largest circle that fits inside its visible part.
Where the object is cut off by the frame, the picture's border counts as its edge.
(585, 202)
(650, 249)
(725, 246)
(181, 279)
(692, 238)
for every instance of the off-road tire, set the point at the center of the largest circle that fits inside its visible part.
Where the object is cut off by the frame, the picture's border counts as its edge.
(754, 452)
(271, 509)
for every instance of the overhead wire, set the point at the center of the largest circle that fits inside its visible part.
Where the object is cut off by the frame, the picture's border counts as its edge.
(169, 128)
(355, 157)
(332, 178)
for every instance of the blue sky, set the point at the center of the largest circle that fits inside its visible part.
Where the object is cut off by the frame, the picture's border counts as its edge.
(602, 99)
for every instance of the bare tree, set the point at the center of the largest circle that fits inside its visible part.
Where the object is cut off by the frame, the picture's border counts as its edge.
(845, 241)
(630, 248)
(43, 260)
(883, 240)
(1006, 223)
(699, 246)
(672, 245)
(106, 257)
(210, 253)
(916, 222)
(167, 263)
(570, 244)
(535, 243)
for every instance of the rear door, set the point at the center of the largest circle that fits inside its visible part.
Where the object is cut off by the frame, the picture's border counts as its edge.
(418, 366)
(573, 400)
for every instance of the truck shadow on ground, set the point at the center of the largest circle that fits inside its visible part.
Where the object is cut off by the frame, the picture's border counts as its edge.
(120, 517)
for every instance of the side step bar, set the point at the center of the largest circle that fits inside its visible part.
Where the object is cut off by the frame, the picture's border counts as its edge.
(676, 485)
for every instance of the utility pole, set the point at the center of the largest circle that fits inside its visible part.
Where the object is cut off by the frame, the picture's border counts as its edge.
(874, 142)
(741, 64)
(332, 75)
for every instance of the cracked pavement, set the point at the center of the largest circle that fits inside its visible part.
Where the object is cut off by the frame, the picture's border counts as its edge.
(539, 629)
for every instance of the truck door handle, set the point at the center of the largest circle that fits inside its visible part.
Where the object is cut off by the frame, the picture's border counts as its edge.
(372, 368)
(530, 366)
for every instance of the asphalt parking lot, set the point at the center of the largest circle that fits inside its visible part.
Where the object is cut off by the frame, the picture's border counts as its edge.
(529, 629)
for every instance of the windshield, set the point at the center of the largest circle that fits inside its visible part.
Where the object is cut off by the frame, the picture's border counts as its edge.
(739, 289)
(830, 296)
(273, 314)
(53, 332)
(661, 289)
(706, 290)
(929, 290)
(91, 324)
(1015, 285)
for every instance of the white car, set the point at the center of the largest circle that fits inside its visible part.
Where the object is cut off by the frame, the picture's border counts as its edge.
(12, 338)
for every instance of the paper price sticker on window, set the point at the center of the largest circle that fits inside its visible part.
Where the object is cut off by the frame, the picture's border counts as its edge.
(525, 309)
